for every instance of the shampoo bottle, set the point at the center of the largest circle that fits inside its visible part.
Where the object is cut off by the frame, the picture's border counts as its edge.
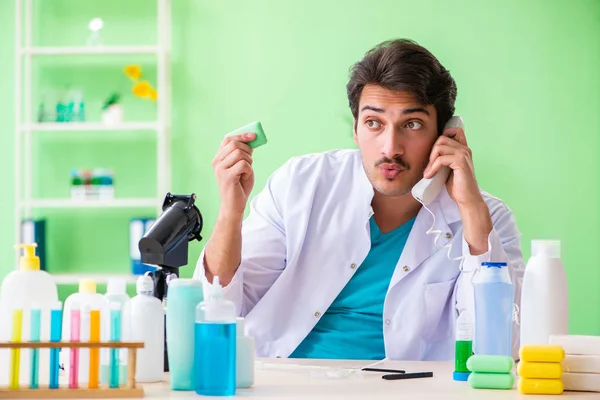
(544, 298)
(147, 326)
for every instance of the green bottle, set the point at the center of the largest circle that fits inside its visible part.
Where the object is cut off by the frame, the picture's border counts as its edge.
(463, 346)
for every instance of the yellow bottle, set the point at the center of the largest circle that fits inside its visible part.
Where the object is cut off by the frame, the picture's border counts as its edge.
(539, 370)
(542, 353)
(540, 386)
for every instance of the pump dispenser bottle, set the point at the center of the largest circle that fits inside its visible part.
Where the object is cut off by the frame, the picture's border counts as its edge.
(215, 345)
(26, 288)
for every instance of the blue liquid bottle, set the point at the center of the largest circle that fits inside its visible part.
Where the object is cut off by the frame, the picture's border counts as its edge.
(215, 345)
(494, 297)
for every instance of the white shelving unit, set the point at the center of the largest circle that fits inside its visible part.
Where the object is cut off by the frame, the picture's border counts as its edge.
(25, 126)
(90, 127)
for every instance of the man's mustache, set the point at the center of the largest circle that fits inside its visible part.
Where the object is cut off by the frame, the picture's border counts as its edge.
(395, 160)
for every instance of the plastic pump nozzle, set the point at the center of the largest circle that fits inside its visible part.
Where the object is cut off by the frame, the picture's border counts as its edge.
(217, 290)
(29, 261)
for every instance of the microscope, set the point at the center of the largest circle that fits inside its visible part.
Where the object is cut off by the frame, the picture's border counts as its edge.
(165, 244)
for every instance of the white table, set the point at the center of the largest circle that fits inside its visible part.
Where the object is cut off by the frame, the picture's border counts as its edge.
(305, 379)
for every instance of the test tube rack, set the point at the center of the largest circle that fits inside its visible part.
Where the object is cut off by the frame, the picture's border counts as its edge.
(129, 390)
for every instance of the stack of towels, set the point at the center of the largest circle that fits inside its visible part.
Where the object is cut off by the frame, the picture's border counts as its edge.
(582, 362)
(491, 372)
(540, 369)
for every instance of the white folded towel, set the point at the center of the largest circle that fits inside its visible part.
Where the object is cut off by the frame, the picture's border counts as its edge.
(577, 344)
(581, 363)
(581, 382)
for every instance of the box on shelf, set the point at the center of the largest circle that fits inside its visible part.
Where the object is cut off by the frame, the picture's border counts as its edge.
(96, 184)
(137, 228)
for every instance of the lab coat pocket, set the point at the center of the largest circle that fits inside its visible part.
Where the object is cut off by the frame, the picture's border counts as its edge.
(437, 306)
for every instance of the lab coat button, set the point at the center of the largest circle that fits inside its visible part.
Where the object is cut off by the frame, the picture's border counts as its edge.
(317, 314)
(406, 268)
(387, 321)
(448, 235)
(353, 266)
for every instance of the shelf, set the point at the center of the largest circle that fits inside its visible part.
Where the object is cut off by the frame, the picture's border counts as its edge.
(83, 50)
(115, 203)
(90, 126)
(74, 278)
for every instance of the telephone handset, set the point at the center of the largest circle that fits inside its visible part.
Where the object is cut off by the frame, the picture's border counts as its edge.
(427, 189)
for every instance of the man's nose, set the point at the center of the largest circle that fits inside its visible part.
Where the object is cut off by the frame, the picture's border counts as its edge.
(392, 143)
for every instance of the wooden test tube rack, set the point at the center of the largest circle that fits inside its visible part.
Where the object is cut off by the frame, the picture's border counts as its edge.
(129, 390)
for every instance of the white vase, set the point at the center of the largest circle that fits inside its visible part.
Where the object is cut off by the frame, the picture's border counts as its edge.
(113, 115)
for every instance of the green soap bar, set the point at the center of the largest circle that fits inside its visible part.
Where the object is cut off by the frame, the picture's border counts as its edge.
(255, 127)
(481, 380)
(489, 363)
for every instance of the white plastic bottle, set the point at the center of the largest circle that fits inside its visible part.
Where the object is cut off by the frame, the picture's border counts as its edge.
(26, 288)
(116, 291)
(87, 299)
(544, 298)
(148, 326)
(244, 372)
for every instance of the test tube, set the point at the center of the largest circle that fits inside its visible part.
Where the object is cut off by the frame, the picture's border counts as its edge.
(55, 336)
(36, 316)
(75, 337)
(115, 336)
(94, 353)
(15, 353)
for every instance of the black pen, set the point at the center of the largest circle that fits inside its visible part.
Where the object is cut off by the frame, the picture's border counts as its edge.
(411, 375)
(396, 371)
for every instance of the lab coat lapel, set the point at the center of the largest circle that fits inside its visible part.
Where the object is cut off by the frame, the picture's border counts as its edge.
(420, 245)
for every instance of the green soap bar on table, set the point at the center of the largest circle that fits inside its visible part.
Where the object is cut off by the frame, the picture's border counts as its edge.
(255, 127)
(482, 380)
(491, 364)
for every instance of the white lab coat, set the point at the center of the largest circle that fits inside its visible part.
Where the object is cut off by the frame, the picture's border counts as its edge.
(307, 233)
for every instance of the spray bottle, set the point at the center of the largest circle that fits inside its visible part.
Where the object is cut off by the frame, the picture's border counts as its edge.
(464, 346)
(215, 345)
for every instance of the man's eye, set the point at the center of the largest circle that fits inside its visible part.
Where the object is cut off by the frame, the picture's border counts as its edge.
(371, 123)
(414, 125)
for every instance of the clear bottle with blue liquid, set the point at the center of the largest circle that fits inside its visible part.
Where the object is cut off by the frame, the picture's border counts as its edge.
(494, 298)
(215, 345)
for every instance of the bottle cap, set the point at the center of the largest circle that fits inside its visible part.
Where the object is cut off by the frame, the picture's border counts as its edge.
(144, 285)
(493, 264)
(116, 286)
(29, 261)
(460, 376)
(545, 248)
(87, 286)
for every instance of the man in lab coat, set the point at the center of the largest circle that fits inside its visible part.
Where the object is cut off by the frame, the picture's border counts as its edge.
(335, 259)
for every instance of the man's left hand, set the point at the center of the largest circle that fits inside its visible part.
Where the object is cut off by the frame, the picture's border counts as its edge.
(451, 150)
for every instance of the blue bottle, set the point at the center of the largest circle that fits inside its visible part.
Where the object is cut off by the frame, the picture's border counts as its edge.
(494, 297)
(215, 345)
(184, 295)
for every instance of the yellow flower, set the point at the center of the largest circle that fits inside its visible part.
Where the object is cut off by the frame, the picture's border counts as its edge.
(142, 89)
(153, 95)
(133, 71)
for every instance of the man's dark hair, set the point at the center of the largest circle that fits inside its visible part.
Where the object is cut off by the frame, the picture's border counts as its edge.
(403, 65)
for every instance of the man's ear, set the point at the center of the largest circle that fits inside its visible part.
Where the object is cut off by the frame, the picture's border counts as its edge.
(355, 134)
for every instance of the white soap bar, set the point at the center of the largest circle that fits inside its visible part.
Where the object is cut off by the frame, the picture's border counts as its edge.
(581, 382)
(577, 344)
(580, 363)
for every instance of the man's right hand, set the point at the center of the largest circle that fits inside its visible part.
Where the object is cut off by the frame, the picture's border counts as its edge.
(235, 176)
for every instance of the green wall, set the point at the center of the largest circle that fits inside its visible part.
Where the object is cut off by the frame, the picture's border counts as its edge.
(529, 91)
